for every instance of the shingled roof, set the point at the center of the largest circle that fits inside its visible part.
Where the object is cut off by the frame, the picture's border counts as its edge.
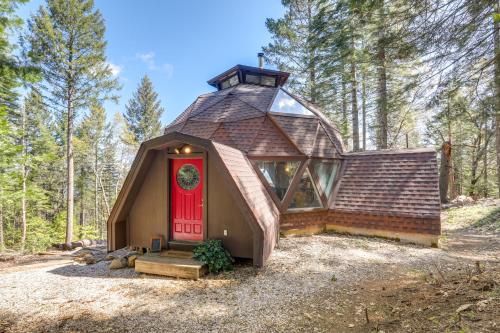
(240, 117)
(395, 182)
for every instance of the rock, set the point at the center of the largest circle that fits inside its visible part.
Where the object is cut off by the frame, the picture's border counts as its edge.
(89, 259)
(109, 257)
(76, 244)
(463, 307)
(351, 325)
(86, 242)
(131, 260)
(118, 263)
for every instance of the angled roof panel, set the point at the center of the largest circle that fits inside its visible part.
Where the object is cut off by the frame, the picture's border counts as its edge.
(201, 129)
(323, 146)
(230, 108)
(239, 134)
(175, 127)
(301, 131)
(269, 141)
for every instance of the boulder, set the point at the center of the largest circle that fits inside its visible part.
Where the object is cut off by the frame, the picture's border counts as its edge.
(131, 260)
(118, 263)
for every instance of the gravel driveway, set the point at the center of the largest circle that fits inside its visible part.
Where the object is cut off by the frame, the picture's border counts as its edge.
(305, 278)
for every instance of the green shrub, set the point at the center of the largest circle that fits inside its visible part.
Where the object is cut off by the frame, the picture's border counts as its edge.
(214, 255)
(39, 235)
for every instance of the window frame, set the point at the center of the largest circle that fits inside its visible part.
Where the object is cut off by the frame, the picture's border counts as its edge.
(316, 190)
(259, 78)
(292, 114)
(317, 181)
(228, 81)
(305, 164)
(274, 196)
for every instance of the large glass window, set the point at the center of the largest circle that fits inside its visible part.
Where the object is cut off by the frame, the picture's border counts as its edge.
(327, 172)
(305, 195)
(278, 174)
(287, 104)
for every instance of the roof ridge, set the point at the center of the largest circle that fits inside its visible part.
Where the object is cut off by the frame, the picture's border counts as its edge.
(334, 142)
(395, 151)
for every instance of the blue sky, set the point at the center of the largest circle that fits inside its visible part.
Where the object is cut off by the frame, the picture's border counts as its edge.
(179, 44)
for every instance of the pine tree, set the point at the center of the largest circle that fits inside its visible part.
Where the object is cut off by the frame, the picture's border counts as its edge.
(66, 39)
(92, 134)
(293, 48)
(143, 113)
(12, 73)
(38, 154)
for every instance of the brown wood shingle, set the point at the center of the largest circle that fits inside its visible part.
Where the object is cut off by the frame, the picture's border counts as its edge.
(401, 183)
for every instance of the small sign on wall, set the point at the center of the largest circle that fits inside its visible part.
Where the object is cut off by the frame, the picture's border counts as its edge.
(155, 244)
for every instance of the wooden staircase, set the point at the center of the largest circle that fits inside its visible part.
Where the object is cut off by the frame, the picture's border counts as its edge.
(173, 263)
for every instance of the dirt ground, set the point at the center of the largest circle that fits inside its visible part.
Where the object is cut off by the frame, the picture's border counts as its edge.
(323, 283)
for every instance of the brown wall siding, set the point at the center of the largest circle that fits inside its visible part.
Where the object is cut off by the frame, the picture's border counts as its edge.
(149, 214)
(223, 213)
(429, 226)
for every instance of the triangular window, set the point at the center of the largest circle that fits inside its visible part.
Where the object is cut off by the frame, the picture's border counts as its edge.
(284, 103)
(326, 171)
(278, 174)
(306, 195)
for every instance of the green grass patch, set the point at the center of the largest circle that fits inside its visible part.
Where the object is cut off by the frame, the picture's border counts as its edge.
(476, 216)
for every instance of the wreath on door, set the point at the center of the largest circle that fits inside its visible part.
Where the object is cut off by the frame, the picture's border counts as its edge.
(188, 177)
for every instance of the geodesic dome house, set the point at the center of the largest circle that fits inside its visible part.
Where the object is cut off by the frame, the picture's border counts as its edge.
(251, 161)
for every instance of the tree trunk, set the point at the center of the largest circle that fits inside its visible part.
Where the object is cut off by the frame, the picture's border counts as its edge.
(444, 171)
(2, 241)
(382, 126)
(82, 203)
(354, 99)
(485, 170)
(476, 157)
(23, 173)
(345, 125)
(496, 36)
(363, 107)
(312, 57)
(70, 175)
(96, 187)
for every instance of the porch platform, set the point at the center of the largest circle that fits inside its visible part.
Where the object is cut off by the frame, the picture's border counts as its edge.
(186, 268)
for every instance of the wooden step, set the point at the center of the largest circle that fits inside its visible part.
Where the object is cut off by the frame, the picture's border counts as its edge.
(185, 268)
(177, 254)
(182, 245)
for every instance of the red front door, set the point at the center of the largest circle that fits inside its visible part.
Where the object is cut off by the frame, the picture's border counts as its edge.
(186, 179)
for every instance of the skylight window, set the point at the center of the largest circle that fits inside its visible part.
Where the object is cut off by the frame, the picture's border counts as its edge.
(284, 103)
